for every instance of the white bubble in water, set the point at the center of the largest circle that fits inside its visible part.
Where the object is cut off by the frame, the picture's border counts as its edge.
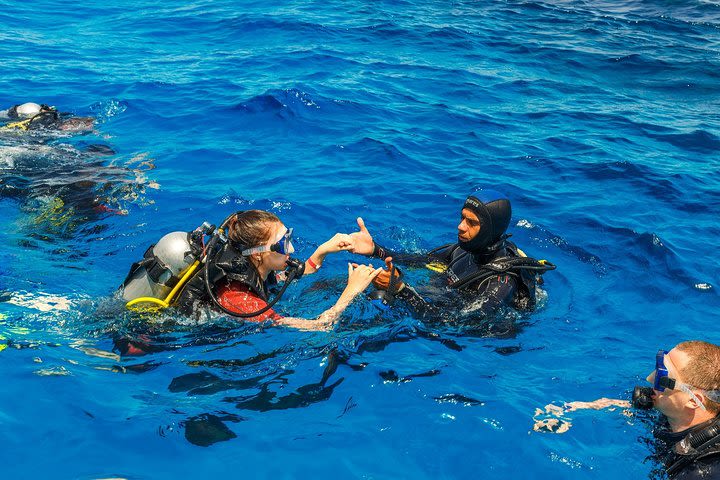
(525, 224)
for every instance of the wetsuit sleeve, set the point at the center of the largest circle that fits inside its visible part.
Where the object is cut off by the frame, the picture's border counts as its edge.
(238, 298)
(415, 301)
(442, 306)
(414, 259)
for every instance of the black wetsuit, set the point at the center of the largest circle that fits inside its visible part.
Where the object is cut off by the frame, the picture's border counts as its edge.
(702, 443)
(469, 282)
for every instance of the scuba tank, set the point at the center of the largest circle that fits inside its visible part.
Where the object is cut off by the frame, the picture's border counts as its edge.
(164, 265)
(184, 259)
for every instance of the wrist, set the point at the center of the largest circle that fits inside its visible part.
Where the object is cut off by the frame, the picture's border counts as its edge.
(346, 297)
(320, 254)
(314, 265)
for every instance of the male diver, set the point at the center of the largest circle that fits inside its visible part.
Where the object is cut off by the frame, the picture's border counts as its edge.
(483, 269)
(34, 116)
(686, 391)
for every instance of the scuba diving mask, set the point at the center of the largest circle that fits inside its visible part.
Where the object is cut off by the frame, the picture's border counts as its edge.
(283, 246)
(642, 396)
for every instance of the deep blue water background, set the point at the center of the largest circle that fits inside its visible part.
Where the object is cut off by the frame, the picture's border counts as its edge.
(599, 119)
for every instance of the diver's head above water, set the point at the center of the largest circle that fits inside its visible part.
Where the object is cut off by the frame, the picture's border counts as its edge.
(484, 218)
(262, 238)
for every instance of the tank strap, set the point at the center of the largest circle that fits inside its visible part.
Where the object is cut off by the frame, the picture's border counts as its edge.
(12, 112)
(155, 269)
(511, 265)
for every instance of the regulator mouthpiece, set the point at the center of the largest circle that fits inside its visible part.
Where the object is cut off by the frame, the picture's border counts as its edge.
(296, 267)
(642, 398)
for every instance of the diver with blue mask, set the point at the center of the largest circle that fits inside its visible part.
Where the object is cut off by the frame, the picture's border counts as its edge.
(684, 387)
(483, 265)
(686, 391)
(236, 272)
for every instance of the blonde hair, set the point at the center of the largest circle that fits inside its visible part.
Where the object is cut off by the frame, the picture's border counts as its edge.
(703, 368)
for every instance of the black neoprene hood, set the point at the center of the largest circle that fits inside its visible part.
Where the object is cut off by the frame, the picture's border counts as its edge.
(493, 211)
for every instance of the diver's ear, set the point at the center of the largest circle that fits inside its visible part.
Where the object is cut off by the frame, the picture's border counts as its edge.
(693, 402)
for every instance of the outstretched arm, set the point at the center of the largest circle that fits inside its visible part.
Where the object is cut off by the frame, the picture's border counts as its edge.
(340, 242)
(554, 418)
(390, 284)
(364, 244)
(359, 278)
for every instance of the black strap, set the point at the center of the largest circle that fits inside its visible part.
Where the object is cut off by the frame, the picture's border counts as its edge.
(508, 265)
(392, 289)
(44, 118)
(12, 112)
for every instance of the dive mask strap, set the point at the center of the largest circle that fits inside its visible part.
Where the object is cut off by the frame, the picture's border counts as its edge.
(663, 381)
(283, 246)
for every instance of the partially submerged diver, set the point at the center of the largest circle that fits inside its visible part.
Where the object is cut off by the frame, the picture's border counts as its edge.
(35, 116)
(236, 271)
(686, 391)
(483, 269)
(60, 187)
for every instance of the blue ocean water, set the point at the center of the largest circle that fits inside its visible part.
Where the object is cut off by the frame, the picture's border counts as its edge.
(599, 120)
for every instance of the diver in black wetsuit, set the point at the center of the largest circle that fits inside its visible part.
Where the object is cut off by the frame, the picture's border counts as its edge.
(483, 269)
(686, 390)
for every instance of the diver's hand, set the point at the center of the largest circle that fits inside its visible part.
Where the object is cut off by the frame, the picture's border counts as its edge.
(360, 277)
(338, 243)
(382, 280)
(363, 241)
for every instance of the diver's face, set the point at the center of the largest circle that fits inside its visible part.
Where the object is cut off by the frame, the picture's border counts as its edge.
(469, 225)
(274, 260)
(671, 402)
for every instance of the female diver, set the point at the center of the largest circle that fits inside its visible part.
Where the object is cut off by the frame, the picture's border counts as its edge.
(257, 251)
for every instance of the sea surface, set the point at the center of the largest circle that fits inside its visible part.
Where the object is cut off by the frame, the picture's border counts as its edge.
(599, 119)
